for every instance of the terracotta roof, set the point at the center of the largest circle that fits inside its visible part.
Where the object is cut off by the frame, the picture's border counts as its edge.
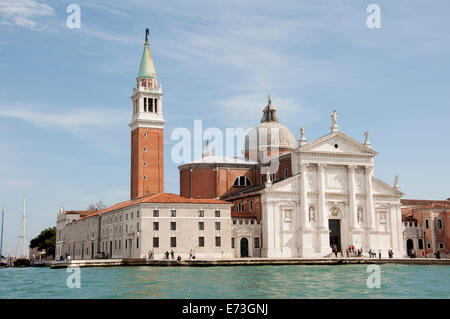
(158, 198)
(413, 202)
(419, 204)
(79, 212)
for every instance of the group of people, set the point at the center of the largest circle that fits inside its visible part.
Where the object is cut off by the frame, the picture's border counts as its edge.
(352, 251)
(437, 254)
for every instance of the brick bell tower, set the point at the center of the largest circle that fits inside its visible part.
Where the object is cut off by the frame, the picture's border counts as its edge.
(147, 127)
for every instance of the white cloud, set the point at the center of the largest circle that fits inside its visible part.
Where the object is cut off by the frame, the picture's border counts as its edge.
(22, 13)
(74, 118)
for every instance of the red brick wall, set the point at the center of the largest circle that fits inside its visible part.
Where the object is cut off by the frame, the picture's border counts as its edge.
(208, 182)
(256, 199)
(154, 158)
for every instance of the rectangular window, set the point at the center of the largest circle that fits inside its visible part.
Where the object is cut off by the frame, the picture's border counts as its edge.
(262, 179)
(173, 242)
(201, 213)
(137, 227)
(156, 213)
(155, 225)
(126, 244)
(155, 242)
(427, 224)
(217, 241)
(256, 242)
(115, 245)
(201, 226)
(137, 242)
(120, 244)
(251, 205)
(217, 213)
(420, 244)
(201, 242)
(232, 242)
(137, 214)
(150, 105)
(441, 245)
(131, 215)
(156, 106)
(217, 225)
(439, 222)
(126, 216)
(173, 226)
(145, 104)
(173, 213)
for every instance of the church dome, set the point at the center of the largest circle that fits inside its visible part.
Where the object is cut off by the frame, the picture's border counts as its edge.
(269, 134)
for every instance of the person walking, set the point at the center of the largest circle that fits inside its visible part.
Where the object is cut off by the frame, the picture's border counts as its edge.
(172, 254)
(379, 254)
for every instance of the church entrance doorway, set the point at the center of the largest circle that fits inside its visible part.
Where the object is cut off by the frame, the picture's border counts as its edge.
(335, 233)
(409, 246)
(244, 247)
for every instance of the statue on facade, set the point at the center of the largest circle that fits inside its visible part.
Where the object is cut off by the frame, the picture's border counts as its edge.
(396, 185)
(334, 126)
(359, 215)
(303, 139)
(367, 135)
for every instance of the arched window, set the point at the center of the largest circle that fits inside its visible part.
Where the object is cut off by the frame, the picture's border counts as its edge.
(242, 181)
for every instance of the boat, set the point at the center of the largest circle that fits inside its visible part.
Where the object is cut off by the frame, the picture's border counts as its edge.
(37, 264)
(22, 262)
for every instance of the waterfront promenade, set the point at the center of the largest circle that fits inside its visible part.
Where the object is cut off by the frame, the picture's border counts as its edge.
(244, 262)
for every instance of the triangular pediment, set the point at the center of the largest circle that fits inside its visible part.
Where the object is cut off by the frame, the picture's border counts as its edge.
(290, 185)
(337, 143)
(382, 188)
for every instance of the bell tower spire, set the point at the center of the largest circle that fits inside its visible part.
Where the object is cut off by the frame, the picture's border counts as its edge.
(147, 128)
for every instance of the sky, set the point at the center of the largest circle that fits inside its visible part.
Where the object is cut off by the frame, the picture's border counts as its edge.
(65, 92)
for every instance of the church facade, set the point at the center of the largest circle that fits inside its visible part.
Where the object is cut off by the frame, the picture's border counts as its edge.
(286, 198)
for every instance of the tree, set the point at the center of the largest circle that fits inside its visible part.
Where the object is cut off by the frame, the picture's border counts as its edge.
(45, 240)
(97, 206)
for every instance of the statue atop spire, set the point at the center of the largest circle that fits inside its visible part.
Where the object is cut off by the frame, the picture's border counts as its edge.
(146, 68)
(269, 112)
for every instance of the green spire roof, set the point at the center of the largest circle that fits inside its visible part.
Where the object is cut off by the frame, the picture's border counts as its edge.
(147, 68)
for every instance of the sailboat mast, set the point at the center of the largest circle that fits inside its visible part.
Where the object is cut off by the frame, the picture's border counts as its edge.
(1, 238)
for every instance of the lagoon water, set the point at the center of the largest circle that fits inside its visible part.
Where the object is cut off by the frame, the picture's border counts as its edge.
(296, 281)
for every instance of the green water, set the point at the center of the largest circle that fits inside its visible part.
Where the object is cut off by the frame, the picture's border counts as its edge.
(346, 281)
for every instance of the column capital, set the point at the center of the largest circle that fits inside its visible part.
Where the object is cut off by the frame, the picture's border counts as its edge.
(352, 167)
(321, 165)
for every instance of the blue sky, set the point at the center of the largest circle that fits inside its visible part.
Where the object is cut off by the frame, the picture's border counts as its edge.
(65, 93)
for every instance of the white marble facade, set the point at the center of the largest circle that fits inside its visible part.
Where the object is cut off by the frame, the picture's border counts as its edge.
(333, 185)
